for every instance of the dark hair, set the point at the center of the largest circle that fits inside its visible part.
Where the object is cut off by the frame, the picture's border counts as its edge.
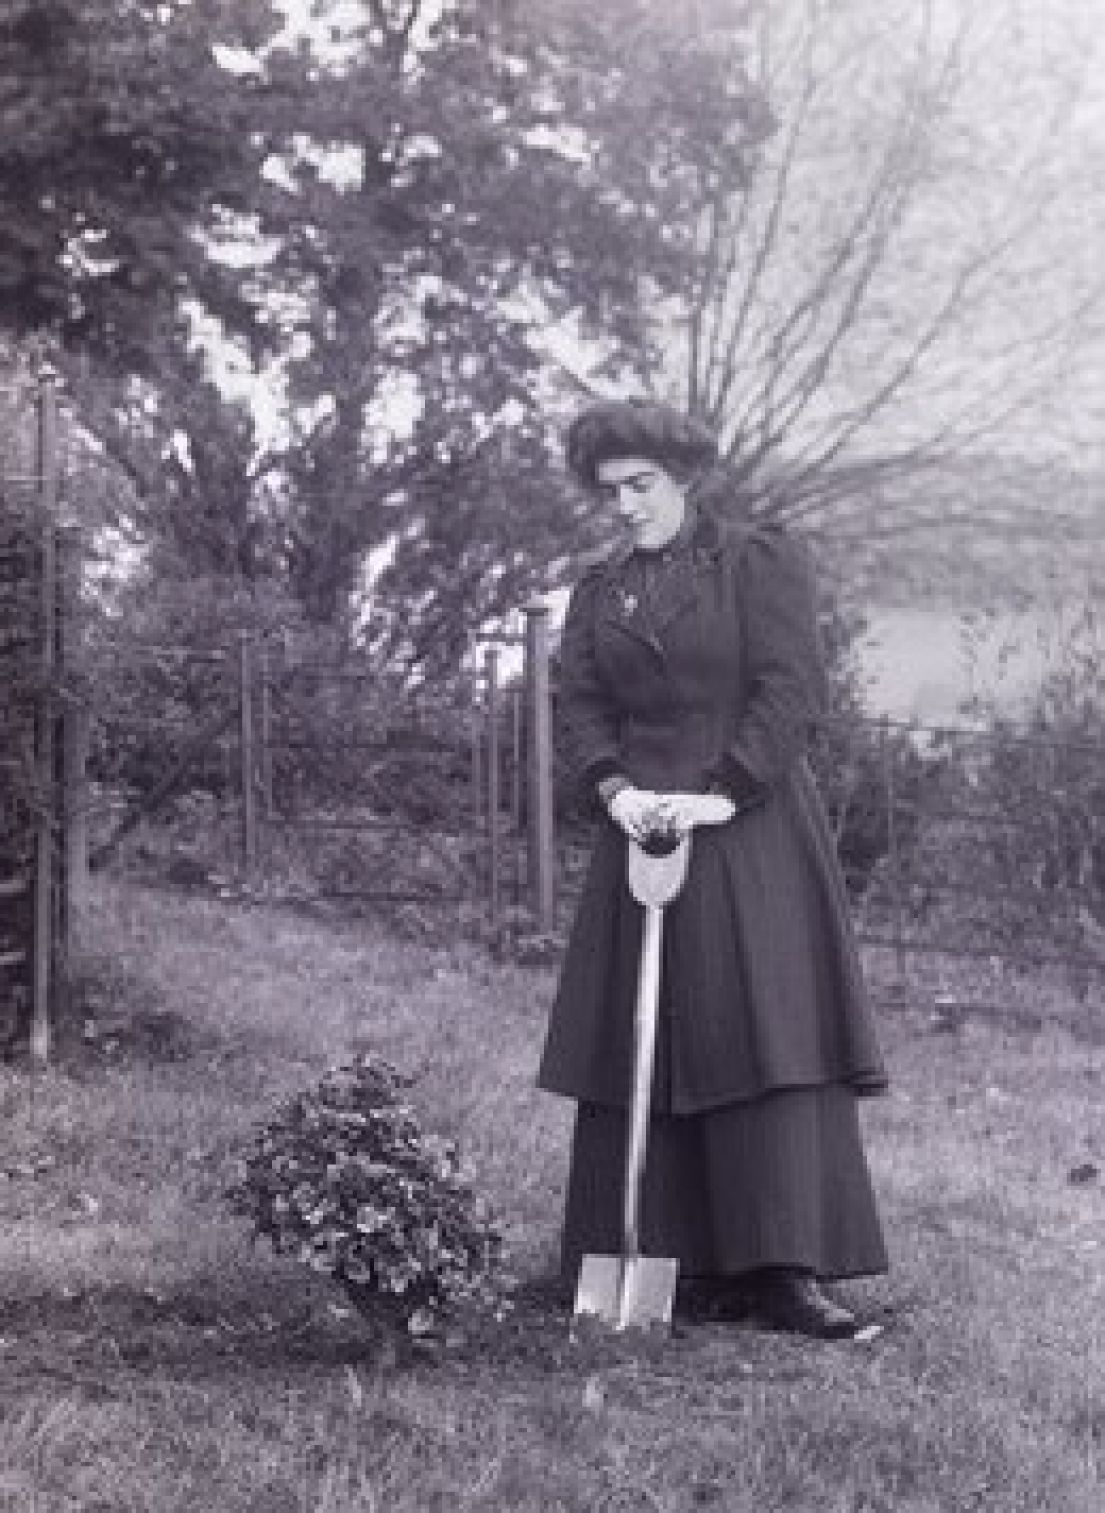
(678, 443)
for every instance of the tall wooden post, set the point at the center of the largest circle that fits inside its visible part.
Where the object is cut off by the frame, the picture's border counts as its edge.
(75, 733)
(516, 757)
(491, 662)
(539, 763)
(77, 722)
(477, 753)
(45, 915)
(516, 760)
(266, 733)
(247, 774)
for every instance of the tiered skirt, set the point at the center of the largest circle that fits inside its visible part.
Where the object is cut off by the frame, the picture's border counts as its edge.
(779, 1180)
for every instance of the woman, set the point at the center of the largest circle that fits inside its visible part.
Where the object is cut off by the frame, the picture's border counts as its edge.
(690, 675)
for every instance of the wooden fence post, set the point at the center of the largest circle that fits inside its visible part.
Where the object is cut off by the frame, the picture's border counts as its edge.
(516, 792)
(76, 811)
(266, 733)
(247, 771)
(45, 906)
(75, 737)
(894, 853)
(539, 811)
(491, 662)
(477, 754)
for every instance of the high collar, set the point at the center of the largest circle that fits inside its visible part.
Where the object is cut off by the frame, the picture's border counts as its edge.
(697, 533)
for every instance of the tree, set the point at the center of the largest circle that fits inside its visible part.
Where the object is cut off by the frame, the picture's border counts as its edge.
(854, 290)
(122, 139)
(530, 171)
(403, 208)
(476, 212)
(862, 311)
(131, 158)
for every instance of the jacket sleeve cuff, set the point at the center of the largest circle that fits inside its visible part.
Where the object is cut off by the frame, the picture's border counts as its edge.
(610, 785)
(730, 776)
(598, 770)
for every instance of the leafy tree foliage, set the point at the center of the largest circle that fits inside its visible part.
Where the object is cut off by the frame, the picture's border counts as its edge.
(401, 212)
(530, 181)
(428, 219)
(121, 138)
(129, 156)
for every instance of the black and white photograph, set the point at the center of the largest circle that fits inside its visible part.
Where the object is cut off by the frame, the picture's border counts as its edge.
(552, 756)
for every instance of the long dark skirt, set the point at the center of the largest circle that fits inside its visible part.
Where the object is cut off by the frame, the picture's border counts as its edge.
(780, 1180)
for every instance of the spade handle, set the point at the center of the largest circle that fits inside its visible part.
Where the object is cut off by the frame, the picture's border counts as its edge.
(648, 1004)
(653, 881)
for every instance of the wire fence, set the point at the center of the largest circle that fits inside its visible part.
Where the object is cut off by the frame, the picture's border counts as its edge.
(447, 798)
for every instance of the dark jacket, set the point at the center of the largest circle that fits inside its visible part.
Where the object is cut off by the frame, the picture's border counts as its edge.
(704, 671)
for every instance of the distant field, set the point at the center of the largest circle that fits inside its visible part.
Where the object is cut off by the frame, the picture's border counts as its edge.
(151, 1360)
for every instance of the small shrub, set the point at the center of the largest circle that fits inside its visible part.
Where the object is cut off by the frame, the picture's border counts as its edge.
(861, 767)
(344, 1179)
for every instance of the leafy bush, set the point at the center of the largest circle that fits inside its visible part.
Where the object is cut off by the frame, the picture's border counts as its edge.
(1044, 775)
(863, 769)
(344, 1179)
(165, 667)
(345, 731)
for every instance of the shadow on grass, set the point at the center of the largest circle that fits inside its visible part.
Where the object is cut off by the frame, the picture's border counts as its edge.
(111, 1016)
(194, 1331)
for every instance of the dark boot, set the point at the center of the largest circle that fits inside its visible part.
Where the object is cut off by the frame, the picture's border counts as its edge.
(792, 1301)
(713, 1300)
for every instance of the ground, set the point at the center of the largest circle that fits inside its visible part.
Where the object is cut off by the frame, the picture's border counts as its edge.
(151, 1359)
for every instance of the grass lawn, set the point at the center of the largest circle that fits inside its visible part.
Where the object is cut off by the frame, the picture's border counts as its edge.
(150, 1359)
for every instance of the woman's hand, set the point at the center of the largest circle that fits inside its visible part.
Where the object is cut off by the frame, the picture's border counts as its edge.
(633, 810)
(682, 812)
(640, 813)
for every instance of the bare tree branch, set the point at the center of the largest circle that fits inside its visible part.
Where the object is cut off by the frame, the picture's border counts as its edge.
(768, 380)
(727, 370)
(715, 218)
(995, 407)
(864, 244)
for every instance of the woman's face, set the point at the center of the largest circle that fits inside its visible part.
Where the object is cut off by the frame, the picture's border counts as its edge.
(646, 500)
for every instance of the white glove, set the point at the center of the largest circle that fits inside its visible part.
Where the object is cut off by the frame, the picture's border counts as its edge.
(634, 810)
(682, 812)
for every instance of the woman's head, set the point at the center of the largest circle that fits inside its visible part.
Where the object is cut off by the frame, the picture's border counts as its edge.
(641, 459)
(682, 446)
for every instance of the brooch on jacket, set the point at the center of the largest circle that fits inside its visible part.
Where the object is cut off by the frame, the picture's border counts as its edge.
(629, 601)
